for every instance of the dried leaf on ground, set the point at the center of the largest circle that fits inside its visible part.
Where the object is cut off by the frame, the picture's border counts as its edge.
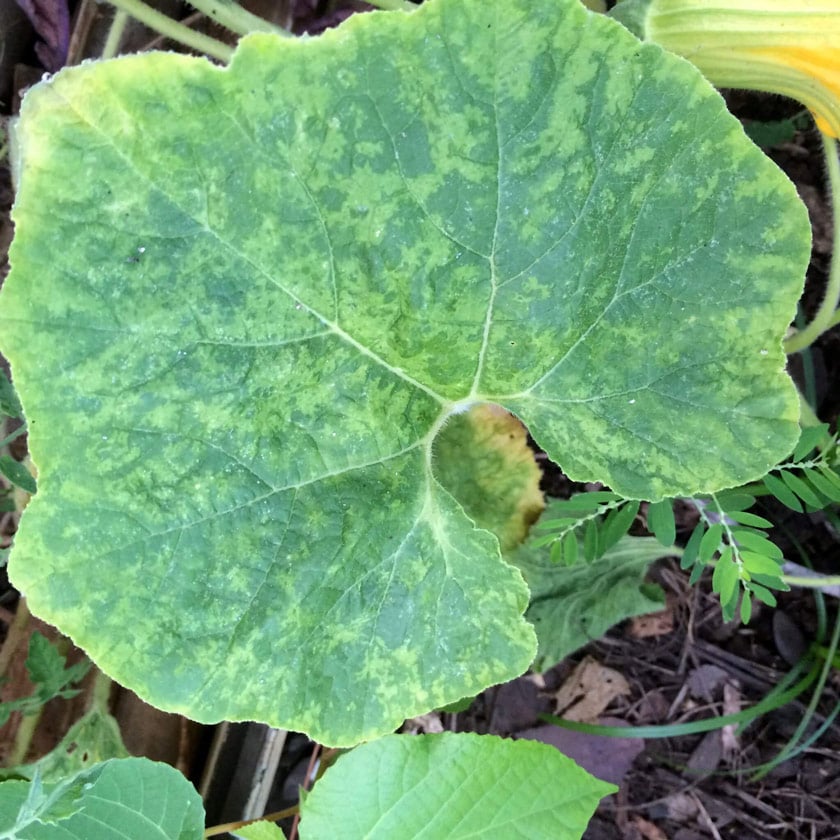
(588, 691)
(653, 625)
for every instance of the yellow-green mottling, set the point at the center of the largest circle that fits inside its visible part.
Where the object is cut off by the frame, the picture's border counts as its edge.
(243, 302)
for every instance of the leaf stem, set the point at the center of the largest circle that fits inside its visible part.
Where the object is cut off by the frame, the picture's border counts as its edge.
(827, 314)
(233, 17)
(23, 737)
(101, 692)
(216, 830)
(18, 432)
(811, 709)
(816, 582)
(176, 31)
(115, 33)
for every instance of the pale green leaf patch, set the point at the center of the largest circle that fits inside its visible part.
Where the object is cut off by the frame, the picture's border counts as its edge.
(261, 830)
(245, 301)
(452, 786)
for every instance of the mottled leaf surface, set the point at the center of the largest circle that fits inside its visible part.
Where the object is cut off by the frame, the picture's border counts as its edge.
(244, 301)
(454, 786)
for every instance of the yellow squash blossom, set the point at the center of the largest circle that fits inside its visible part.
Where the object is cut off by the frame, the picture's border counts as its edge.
(790, 47)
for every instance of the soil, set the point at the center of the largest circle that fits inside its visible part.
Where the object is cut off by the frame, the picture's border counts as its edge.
(681, 664)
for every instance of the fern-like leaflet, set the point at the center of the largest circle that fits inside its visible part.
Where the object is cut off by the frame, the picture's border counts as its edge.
(729, 537)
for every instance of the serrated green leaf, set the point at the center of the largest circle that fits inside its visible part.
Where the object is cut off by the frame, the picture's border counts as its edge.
(810, 438)
(258, 311)
(617, 524)
(692, 547)
(801, 489)
(750, 519)
(481, 786)
(18, 474)
(131, 798)
(46, 669)
(661, 521)
(710, 543)
(757, 543)
(781, 491)
(572, 607)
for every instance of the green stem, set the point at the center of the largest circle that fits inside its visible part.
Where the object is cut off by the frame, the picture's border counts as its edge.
(23, 737)
(393, 5)
(20, 430)
(176, 31)
(825, 671)
(816, 582)
(807, 415)
(101, 692)
(233, 17)
(821, 651)
(827, 313)
(115, 33)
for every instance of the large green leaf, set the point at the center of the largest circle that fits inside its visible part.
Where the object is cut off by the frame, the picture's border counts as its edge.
(452, 786)
(130, 798)
(244, 301)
